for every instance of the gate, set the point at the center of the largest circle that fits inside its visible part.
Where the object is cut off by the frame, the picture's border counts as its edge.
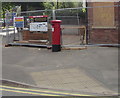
(73, 28)
(79, 27)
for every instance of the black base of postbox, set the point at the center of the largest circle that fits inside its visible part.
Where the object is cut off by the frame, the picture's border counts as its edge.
(56, 48)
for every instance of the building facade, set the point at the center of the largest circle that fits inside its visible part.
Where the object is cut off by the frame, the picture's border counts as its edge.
(103, 22)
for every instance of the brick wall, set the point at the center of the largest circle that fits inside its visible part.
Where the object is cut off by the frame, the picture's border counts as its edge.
(119, 23)
(27, 35)
(103, 35)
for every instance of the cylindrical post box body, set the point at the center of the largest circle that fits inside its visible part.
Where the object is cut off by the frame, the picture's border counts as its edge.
(56, 35)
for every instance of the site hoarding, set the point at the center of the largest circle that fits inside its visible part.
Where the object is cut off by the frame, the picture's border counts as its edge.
(39, 26)
(19, 22)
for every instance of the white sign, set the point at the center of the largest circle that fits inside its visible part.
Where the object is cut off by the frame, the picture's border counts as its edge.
(39, 26)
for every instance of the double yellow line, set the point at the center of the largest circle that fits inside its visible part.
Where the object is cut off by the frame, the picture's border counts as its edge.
(37, 92)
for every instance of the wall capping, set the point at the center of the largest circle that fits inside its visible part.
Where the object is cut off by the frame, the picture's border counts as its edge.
(94, 27)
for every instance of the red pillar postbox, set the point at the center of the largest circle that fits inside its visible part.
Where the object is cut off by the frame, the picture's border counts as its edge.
(56, 35)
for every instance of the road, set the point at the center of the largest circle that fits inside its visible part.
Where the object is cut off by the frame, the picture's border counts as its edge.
(4, 31)
(9, 36)
(17, 91)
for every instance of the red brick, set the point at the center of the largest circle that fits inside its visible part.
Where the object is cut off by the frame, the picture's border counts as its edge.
(27, 35)
(100, 36)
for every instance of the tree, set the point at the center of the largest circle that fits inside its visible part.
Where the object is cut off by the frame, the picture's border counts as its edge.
(6, 6)
(25, 6)
(28, 6)
(55, 5)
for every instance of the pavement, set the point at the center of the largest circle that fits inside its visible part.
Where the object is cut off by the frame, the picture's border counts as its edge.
(68, 39)
(92, 71)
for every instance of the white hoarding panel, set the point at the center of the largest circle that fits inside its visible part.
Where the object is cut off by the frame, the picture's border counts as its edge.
(39, 26)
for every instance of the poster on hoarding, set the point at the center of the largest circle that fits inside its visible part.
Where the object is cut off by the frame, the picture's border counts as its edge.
(39, 26)
(19, 22)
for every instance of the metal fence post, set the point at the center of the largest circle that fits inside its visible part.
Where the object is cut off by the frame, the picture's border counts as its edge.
(14, 28)
(7, 28)
(78, 23)
(53, 15)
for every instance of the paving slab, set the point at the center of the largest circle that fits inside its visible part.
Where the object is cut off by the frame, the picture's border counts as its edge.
(61, 81)
(92, 70)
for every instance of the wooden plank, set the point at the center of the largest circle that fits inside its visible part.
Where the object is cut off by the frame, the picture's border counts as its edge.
(31, 42)
(21, 41)
(74, 48)
(39, 41)
(73, 27)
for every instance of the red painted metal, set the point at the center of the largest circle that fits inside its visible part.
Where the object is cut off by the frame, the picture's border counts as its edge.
(56, 32)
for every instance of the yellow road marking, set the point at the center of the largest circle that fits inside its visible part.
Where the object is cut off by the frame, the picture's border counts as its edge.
(46, 91)
(24, 92)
